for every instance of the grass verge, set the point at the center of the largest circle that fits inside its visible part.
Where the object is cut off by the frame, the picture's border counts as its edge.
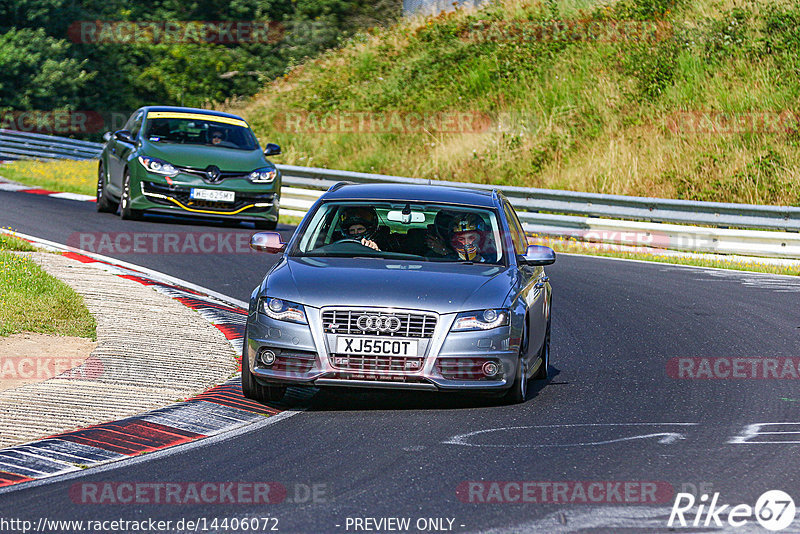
(33, 301)
(10, 242)
(67, 176)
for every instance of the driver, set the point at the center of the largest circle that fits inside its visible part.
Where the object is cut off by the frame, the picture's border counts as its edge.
(467, 235)
(360, 224)
(217, 136)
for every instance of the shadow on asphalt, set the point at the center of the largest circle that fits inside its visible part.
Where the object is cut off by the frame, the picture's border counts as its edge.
(335, 399)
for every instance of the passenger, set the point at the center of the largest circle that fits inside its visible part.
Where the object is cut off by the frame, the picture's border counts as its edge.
(467, 236)
(360, 224)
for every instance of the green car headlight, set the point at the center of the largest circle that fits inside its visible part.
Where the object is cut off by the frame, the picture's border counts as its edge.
(158, 166)
(283, 310)
(480, 320)
(263, 176)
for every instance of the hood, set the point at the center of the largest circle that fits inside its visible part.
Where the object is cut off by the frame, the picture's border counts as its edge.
(227, 159)
(440, 287)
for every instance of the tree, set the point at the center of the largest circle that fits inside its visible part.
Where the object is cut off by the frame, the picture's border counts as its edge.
(37, 72)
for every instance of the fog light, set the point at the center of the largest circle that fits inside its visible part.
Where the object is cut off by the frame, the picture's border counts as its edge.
(267, 357)
(490, 369)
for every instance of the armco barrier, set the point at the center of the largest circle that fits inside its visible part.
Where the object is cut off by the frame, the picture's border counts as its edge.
(648, 231)
(641, 221)
(24, 145)
(530, 199)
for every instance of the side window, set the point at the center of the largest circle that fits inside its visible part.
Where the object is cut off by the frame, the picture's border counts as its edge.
(131, 119)
(517, 233)
(137, 124)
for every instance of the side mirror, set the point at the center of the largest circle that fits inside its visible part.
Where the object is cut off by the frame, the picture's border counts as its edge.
(539, 255)
(272, 149)
(267, 242)
(124, 136)
(106, 136)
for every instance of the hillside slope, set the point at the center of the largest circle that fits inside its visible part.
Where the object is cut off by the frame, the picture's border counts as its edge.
(668, 98)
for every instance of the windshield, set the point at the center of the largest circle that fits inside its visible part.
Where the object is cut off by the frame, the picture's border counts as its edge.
(397, 230)
(198, 129)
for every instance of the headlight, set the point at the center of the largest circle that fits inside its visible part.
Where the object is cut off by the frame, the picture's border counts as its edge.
(480, 320)
(157, 166)
(282, 310)
(263, 176)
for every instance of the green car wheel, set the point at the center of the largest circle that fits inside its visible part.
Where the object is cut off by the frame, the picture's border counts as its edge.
(125, 210)
(105, 204)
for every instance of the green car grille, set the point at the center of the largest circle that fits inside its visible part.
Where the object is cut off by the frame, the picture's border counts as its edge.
(170, 195)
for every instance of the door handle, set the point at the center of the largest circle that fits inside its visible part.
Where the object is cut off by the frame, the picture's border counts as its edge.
(542, 281)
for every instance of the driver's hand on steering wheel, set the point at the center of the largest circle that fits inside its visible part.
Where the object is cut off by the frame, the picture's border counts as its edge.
(369, 243)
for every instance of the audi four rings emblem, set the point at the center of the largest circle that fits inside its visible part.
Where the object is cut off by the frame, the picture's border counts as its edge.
(381, 323)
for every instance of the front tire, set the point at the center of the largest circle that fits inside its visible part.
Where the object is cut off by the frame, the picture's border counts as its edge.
(125, 210)
(519, 389)
(544, 354)
(104, 202)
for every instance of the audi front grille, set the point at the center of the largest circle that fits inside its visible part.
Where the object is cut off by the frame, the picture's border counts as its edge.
(376, 363)
(378, 323)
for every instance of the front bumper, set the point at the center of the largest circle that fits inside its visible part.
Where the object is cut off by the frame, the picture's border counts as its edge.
(448, 361)
(157, 196)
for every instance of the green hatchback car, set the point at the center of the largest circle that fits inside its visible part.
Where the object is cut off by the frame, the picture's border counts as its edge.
(187, 161)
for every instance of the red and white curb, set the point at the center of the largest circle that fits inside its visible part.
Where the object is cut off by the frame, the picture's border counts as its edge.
(219, 410)
(19, 188)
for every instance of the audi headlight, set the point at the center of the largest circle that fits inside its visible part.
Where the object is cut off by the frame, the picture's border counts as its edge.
(158, 166)
(283, 310)
(263, 176)
(480, 320)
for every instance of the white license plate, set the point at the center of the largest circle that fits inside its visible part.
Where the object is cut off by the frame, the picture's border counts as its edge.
(213, 195)
(376, 346)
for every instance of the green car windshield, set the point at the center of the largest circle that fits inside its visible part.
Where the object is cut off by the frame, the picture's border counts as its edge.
(197, 131)
(401, 230)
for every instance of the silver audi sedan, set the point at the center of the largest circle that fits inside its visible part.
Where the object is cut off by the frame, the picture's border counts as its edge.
(404, 287)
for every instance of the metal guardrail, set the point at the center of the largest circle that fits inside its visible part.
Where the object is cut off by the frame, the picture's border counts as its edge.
(603, 216)
(531, 201)
(26, 145)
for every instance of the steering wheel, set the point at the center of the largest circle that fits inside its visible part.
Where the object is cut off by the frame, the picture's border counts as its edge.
(350, 240)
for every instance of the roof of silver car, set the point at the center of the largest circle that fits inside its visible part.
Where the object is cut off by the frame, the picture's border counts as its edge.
(411, 193)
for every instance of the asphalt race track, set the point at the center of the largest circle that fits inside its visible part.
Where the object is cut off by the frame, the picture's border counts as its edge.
(611, 413)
